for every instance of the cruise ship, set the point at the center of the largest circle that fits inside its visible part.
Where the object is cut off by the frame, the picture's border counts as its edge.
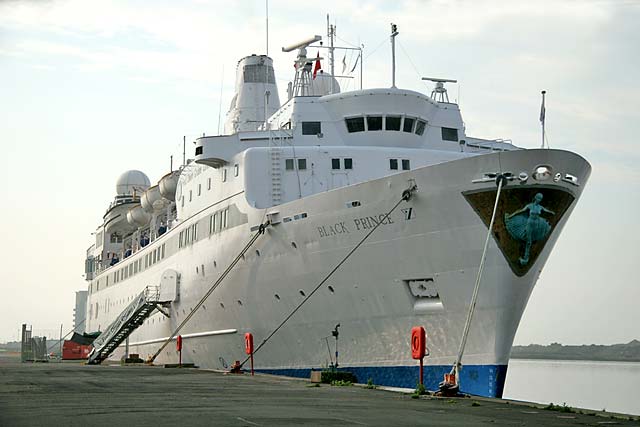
(328, 226)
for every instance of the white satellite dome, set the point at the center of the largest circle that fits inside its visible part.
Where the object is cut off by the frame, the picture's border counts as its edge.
(321, 85)
(132, 181)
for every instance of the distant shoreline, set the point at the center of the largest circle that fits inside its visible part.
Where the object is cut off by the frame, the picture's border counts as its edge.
(629, 352)
(565, 359)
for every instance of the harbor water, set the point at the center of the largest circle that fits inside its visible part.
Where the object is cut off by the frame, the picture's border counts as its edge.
(612, 386)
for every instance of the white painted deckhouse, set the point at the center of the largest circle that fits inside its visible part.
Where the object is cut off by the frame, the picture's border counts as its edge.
(384, 179)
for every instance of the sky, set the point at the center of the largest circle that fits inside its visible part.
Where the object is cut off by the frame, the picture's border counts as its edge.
(89, 90)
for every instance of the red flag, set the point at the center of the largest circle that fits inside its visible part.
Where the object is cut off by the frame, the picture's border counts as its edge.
(317, 66)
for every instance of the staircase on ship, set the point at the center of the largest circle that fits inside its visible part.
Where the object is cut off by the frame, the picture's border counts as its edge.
(134, 315)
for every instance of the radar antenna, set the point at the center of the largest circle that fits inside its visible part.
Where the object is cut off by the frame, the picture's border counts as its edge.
(303, 66)
(439, 93)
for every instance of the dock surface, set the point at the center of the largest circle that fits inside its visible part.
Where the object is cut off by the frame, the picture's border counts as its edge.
(73, 394)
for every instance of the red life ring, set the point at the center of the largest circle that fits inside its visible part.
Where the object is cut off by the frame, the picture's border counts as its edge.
(248, 343)
(418, 342)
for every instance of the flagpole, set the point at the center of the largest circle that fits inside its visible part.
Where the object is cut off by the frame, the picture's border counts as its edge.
(543, 113)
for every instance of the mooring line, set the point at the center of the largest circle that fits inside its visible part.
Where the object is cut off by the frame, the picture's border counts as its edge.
(213, 287)
(406, 196)
(500, 180)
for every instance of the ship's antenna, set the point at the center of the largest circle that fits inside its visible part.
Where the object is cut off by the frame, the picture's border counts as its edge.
(394, 33)
(267, 19)
(542, 116)
(220, 101)
(331, 32)
(171, 164)
(184, 150)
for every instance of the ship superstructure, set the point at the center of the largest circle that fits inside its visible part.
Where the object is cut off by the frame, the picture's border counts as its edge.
(322, 169)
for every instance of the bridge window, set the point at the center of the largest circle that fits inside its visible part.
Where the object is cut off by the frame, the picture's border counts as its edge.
(302, 164)
(224, 175)
(374, 122)
(199, 189)
(420, 127)
(311, 128)
(236, 170)
(198, 150)
(335, 164)
(393, 164)
(355, 124)
(406, 165)
(348, 163)
(190, 195)
(408, 124)
(392, 123)
(449, 134)
(208, 183)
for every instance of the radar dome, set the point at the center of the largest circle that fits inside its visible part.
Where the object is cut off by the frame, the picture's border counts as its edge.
(321, 85)
(132, 181)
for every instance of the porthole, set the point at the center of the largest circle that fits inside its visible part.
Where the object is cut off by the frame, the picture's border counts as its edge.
(331, 289)
(302, 293)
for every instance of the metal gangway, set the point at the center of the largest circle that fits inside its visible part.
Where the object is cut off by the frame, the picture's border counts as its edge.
(128, 321)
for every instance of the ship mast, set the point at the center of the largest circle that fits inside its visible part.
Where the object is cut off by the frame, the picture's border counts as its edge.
(331, 32)
(394, 33)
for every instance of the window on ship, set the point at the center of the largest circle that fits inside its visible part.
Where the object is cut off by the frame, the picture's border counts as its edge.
(355, 124)
(449, 134)
(374, 122)
(420, 126)
(288, 164)
(393, 164)
(311, 128)
(408, 124)
(392, 122)
(302, 164)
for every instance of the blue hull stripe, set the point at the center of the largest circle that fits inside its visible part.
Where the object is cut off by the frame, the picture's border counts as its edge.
(479, 380)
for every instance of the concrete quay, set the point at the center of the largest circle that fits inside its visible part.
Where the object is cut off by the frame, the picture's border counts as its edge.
(73, 394)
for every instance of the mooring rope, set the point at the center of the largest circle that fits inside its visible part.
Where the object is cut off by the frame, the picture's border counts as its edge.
(500, 180)
(213, 288)
(406, 196)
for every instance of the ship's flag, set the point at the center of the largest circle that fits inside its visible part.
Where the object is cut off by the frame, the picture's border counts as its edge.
(356, 64)
(542, 109)
(317, 67)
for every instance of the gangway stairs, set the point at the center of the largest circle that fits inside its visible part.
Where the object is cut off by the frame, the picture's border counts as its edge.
(128, 321)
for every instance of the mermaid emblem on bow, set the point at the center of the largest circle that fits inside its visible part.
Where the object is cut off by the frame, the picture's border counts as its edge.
(528, 226)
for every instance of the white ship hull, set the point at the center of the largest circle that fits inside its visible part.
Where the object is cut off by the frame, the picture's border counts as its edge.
(440, 239)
